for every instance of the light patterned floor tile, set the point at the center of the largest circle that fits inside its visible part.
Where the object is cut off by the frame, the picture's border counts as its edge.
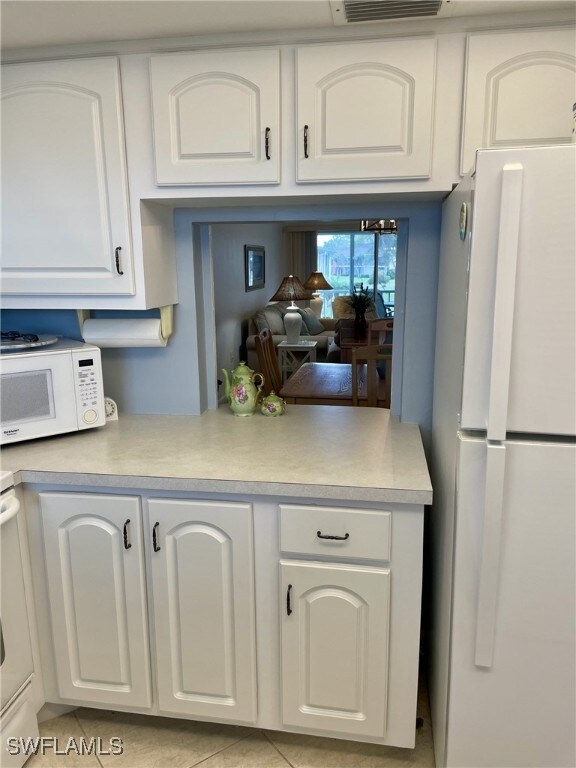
(156, 742)
(62, 729)
(319, 752)
(253, 752)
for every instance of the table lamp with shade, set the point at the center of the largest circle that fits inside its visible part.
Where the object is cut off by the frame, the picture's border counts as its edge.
(291, 289)
(317, 282)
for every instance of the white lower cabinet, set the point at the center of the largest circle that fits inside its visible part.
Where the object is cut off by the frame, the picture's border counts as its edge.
(335, 647)
(204, 623)
(201, 564)
(148, 604)
(97, 592)
(335, 618)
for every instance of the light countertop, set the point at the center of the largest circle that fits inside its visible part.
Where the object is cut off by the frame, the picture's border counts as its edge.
(326, 452)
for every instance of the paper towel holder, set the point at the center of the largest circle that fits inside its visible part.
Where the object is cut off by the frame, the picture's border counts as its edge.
(166, 320)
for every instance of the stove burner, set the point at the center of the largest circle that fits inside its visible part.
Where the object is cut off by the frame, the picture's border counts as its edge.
(17, 336)
(14, 341)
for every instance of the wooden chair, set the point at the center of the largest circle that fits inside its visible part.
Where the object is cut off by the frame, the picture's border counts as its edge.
(378, 391)
(380, 330)
(268, 361)
(377, 331)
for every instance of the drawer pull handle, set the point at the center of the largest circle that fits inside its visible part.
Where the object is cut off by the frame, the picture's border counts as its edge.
(155, 546)
(333, 538)
(288, 605)
(127, 544)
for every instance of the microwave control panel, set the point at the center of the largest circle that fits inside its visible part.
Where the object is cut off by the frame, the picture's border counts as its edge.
(89, 388)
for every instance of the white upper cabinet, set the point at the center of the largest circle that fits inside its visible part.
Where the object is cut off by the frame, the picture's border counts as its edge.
(217, 117)
(65, 214)
(365, 110)
(520, 88)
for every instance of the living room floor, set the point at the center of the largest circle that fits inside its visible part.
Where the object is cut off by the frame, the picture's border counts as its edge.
(158, 742)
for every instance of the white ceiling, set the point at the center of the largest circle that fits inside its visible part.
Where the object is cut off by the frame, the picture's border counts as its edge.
(32, 23)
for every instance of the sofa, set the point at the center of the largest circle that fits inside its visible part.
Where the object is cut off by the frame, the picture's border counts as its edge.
(321, 330)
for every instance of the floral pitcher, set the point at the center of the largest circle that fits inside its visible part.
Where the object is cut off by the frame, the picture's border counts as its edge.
(242, 393)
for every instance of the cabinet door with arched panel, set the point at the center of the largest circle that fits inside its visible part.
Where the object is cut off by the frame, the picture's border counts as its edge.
(365, 110)
(216, 116)
(520, 88)
(96, 585)
(65, 210)
(204, 612)
(335, 629)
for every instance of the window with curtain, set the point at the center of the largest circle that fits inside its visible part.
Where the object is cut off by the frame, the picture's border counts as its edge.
(352, 259)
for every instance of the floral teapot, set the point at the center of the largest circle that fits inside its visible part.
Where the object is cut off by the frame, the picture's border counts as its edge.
(242, 393)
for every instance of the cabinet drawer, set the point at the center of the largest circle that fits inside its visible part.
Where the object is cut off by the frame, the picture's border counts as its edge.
(362, 534)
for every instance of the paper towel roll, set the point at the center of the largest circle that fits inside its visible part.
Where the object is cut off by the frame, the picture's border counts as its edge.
(142, 332)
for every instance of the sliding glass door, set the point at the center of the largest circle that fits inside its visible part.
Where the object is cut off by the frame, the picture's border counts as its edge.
(352, 259)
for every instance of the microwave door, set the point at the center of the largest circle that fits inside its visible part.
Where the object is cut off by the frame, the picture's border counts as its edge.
(36, 396)
(27, 396)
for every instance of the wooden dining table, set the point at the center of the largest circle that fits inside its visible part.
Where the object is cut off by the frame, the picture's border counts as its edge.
(325, 384)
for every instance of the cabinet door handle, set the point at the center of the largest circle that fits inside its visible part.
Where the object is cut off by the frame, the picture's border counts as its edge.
(127, 544)
(267, 143)
(288, 605)
(306, 141)
(155, 546)
(117, 257)
(333, 538)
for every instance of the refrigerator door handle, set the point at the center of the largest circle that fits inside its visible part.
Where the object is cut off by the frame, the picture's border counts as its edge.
(504, 296)
(490, 555)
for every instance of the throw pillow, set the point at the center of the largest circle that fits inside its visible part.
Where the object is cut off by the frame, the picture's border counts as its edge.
(344, 329)
(270, 317)
(341, 307)
(311, 322)
(275, 318)
(259, 320)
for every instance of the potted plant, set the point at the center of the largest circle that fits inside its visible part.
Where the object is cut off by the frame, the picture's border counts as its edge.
(360, 301)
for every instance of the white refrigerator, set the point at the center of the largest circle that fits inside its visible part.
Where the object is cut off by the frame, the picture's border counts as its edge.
(502, 670)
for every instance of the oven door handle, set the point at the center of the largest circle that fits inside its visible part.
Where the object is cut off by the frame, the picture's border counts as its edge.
(9, 507)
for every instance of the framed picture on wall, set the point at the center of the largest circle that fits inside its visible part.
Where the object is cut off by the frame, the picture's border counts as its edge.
(254, 263)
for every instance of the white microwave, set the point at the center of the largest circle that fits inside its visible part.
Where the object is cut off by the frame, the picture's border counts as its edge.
(50, 390)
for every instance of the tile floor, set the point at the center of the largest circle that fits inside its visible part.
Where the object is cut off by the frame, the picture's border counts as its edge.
(158, 742)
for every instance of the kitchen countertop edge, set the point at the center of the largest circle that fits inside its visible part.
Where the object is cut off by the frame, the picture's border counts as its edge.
(235, 487)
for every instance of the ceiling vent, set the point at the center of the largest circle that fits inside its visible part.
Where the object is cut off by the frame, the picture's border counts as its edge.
(370, 11)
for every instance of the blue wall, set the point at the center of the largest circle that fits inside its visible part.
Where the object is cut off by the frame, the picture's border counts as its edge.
(58, 321)
(167, 380)
(144, 380)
